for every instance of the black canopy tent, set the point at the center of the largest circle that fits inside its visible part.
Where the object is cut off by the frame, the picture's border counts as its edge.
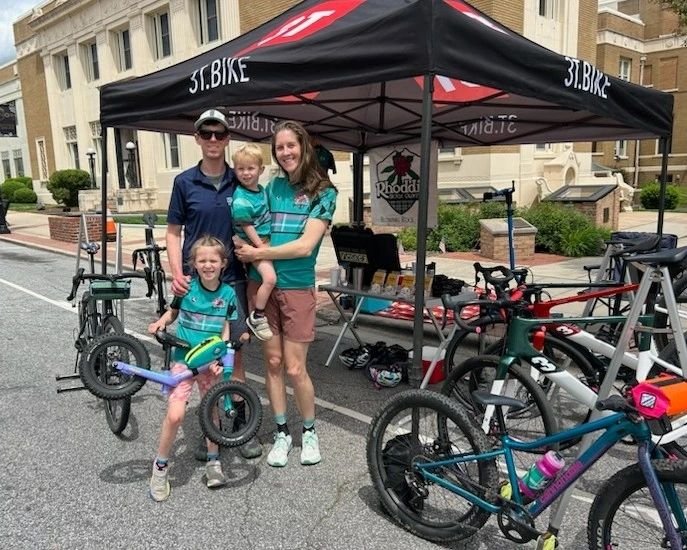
(361, 74)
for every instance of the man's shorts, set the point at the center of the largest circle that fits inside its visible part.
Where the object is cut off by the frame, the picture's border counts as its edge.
(182, 392)
(239, 326)
(290, 313)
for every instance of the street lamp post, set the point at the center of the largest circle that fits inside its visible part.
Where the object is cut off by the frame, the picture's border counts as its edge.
(132, 170)
(90, 153)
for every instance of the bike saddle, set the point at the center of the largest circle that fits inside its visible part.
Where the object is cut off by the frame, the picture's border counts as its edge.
(149, 218)
(664, 257)
(485, 398)
(167, 339)
(91, 247)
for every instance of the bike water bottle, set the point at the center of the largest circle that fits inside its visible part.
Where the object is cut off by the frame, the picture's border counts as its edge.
(540, 474)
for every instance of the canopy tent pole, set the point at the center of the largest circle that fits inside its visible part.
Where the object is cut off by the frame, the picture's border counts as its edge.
(103, 201)
(423, 202)
(663, 141)
(358, 217)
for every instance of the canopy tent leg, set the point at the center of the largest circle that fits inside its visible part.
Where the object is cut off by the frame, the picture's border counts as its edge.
(664, 141)
(358, 217)
(423, 202)
(103, 202)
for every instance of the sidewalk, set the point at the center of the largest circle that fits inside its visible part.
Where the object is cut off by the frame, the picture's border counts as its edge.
(31, 229)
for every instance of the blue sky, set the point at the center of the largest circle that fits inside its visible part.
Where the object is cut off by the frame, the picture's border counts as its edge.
(10, 10)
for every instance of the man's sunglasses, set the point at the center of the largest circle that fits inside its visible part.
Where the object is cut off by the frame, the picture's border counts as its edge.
(220, 135)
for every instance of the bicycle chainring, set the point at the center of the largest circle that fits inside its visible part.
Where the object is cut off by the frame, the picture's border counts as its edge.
(516, 524)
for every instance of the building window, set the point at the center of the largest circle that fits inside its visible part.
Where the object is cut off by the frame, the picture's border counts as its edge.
(159, 35)
(89, 58)
(648, 77)
(620, 150)
(625, 69)
(667, 73)
(208, 21)
(42, 159)
(595, 147)
(171, 142)
(72, 145)
(6, 166)
(547, 8)
(543, 148)
(18, 162)
(122, 47)
(62, 72)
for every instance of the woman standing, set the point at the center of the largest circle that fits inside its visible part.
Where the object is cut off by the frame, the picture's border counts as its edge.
(302, 202)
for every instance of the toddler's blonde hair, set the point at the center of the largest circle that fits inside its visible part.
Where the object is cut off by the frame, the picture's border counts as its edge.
(249, 151)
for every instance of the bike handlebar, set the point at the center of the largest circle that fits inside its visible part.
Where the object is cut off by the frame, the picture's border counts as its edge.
(82, 276)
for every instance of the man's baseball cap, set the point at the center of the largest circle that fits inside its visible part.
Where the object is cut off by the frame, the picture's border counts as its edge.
(211, 115)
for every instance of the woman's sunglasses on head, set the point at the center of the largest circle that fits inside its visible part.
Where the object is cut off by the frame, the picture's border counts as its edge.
(220, 135)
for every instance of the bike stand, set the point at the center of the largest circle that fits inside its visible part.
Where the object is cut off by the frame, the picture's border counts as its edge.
(660, 275)
(62, 377)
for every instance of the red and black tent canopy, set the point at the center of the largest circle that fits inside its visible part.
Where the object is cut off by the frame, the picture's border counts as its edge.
(352, 71)
(366, 73)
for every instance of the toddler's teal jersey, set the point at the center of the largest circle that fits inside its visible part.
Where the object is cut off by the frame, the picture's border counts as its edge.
(250, 207)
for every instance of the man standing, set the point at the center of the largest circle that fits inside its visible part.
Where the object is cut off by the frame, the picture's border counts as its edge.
(201, 204)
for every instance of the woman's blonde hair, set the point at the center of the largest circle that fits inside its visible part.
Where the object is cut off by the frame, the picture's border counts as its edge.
(307, 176)
(249, 151)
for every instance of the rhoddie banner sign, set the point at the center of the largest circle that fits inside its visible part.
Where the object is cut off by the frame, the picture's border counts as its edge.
(395, 185)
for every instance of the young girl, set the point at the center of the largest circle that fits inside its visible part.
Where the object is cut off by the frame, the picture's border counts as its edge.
(252, 220)
(204, 311)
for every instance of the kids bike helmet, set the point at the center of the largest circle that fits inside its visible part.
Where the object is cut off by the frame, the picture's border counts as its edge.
(384, 377)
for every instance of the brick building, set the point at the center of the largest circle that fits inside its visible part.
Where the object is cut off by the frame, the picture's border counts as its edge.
(637, 42)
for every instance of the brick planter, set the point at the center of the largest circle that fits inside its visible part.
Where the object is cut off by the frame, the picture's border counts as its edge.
(66, 228)
(494, 239)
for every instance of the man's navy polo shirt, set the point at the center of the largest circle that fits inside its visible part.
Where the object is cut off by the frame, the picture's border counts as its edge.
(201, 209)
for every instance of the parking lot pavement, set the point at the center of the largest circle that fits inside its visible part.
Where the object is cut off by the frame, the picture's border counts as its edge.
(69, 483)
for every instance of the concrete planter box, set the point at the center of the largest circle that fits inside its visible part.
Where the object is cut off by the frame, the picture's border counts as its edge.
(494, 239)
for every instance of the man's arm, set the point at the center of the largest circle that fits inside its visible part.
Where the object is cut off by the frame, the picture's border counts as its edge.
(174, 257)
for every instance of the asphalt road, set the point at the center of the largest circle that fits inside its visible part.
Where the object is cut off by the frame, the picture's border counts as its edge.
(68, 482)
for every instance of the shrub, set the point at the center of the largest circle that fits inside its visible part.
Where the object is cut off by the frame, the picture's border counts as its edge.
(64, 185)
(650, 194)
(25, 196)
(584, 241)
(553, 221)
(9, 187)
(408, 238)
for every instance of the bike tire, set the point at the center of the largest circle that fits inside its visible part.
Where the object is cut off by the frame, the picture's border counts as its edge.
(439, 428)
(492, 331)
(98, 374)
(117, 411)
(478, 373)
(661, 321)
(642, 528)
(228, 432)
